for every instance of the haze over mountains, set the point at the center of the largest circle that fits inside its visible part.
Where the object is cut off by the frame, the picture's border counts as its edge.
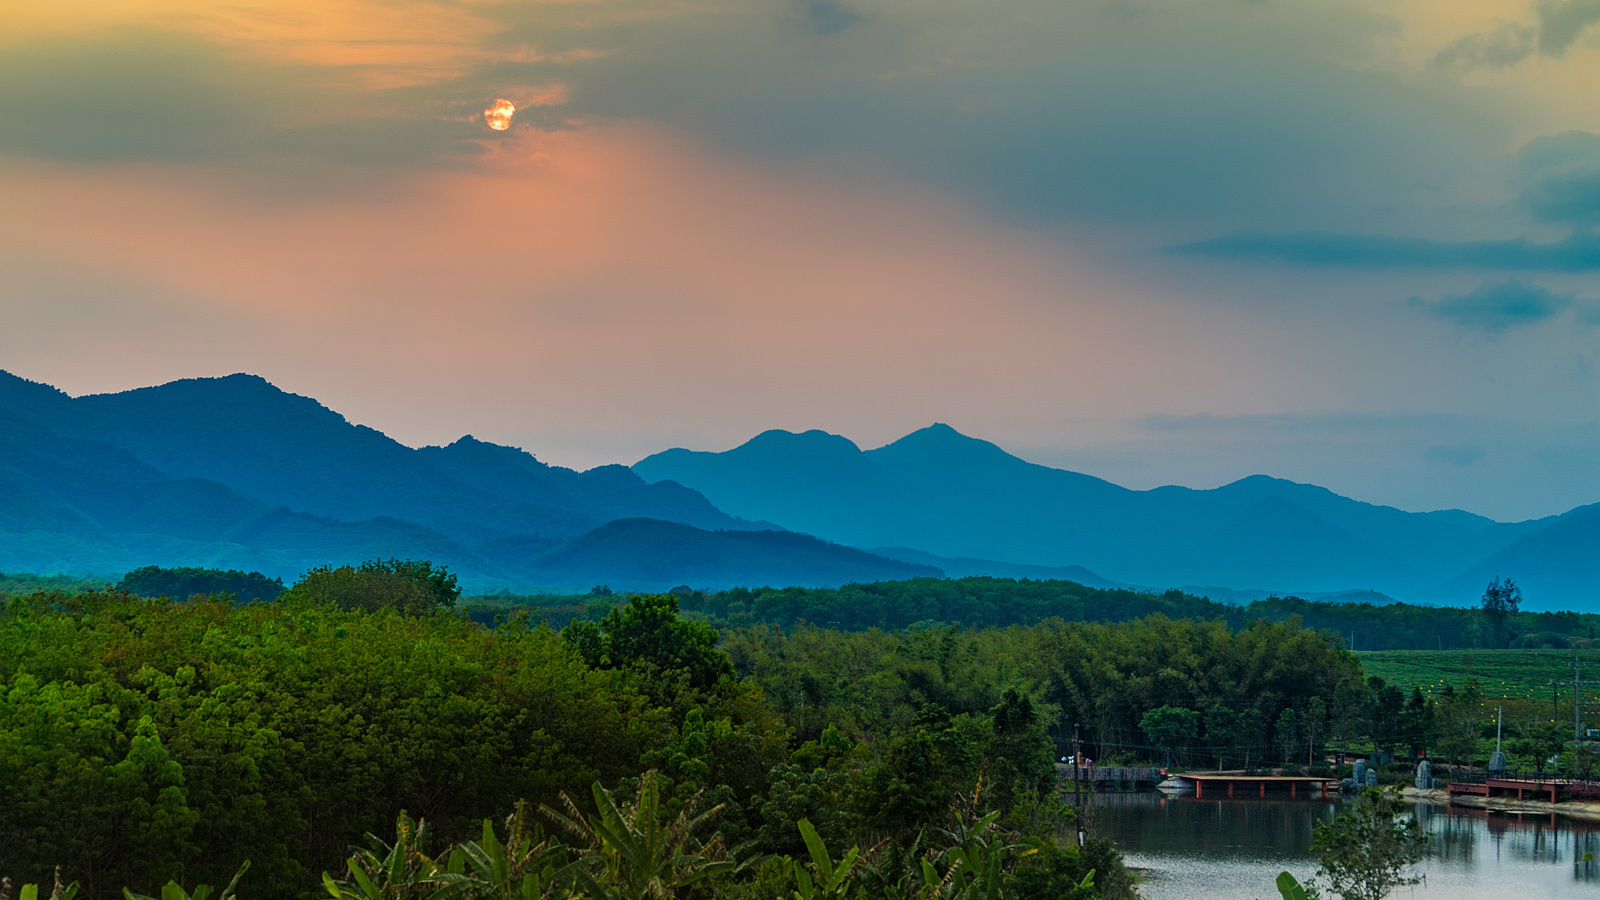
(235, 473)
(944, 493)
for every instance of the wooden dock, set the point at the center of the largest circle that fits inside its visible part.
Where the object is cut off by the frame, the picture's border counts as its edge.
(1225, 783)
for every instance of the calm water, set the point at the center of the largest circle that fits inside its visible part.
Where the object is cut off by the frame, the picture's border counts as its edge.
(1234, 849)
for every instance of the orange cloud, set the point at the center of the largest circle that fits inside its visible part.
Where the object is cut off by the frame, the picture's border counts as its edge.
(605, 281)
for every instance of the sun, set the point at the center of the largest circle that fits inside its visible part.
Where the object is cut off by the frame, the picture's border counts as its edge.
(498, 115)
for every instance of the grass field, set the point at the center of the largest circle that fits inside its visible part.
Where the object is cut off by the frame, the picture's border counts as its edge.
(1523, 674)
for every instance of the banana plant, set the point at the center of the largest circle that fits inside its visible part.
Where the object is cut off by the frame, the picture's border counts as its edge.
(1291, 888)
(31, 891)
(174, 891)
(823, 879)
(519, 869)
(398, 871)
(632, 854)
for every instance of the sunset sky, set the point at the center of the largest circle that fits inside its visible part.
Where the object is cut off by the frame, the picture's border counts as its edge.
(1349, 242)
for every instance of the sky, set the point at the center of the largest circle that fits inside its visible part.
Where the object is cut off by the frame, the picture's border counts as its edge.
(1347, 242)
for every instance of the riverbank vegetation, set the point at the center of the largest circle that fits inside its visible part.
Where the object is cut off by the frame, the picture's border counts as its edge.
(143, 740)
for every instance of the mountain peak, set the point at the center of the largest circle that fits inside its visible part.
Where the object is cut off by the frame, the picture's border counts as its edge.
(940, 443)
(815, 440)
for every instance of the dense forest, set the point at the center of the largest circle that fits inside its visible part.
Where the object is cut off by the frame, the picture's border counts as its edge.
(148, 739)
(982, 602)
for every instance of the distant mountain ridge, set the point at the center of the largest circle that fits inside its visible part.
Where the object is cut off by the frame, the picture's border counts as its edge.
(958, 497)
(235, 473)
(290, 450)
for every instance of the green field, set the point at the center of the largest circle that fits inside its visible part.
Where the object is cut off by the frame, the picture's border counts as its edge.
(1522, 674)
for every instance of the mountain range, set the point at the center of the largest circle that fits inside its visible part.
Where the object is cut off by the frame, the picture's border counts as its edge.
(952, 496)
(235, 473)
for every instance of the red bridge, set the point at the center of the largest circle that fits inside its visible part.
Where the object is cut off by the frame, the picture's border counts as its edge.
(1553, 789)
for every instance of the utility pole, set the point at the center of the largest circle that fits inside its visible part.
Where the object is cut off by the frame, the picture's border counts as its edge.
(1077, 757)
(1077, 788)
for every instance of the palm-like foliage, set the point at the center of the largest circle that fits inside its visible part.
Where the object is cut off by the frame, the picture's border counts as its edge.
(823, 879)
(171, 890)
(631, 853)
(31, 891)
(398, 871)
(522, 868)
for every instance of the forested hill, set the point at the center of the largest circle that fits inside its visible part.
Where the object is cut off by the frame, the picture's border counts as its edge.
(945, 493)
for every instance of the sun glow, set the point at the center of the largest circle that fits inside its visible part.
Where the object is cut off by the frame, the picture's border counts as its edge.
(498, 115)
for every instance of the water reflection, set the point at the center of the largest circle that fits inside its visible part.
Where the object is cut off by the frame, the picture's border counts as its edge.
(1221, 848)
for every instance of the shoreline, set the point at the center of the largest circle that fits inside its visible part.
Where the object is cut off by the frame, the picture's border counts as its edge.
(1575, 809)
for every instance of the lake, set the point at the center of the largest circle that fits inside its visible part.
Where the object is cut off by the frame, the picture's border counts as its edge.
(1234, 849)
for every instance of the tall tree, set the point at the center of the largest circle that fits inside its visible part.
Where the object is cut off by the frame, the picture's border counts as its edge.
(1288, 733)
(1172, 728)
(1501, 599)
(1313, 724)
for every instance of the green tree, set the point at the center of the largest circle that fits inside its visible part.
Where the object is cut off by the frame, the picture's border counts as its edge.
(155, 807)
(1252, 731)
(1171, 728)
(1314, 723)
(1222, 732)
(1288, 734)
(1417, 723)
(1501, 600)
(647, 632)
(1367, 851)
(183, 583)
(437, 580)
(364, 590)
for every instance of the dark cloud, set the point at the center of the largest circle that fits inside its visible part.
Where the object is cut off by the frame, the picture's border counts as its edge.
(146, 95)
(1459, 455)
(1557, 180)
(1498, 306)
(1507, 45)
(828, 18)
(1579, 253)
(1063, 112)
(1561, 22)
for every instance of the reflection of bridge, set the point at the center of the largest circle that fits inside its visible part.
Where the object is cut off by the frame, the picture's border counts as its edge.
(1227, 781)
(1552, 789)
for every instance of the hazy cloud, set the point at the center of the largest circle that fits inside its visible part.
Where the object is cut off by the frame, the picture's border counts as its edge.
(828, 18)
(1560, 24)
(1556, 179)
(1507, 45)
(1579, 253)
(1559, 178)
(1499, 306)
(1459, 455)
(1562, 21)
